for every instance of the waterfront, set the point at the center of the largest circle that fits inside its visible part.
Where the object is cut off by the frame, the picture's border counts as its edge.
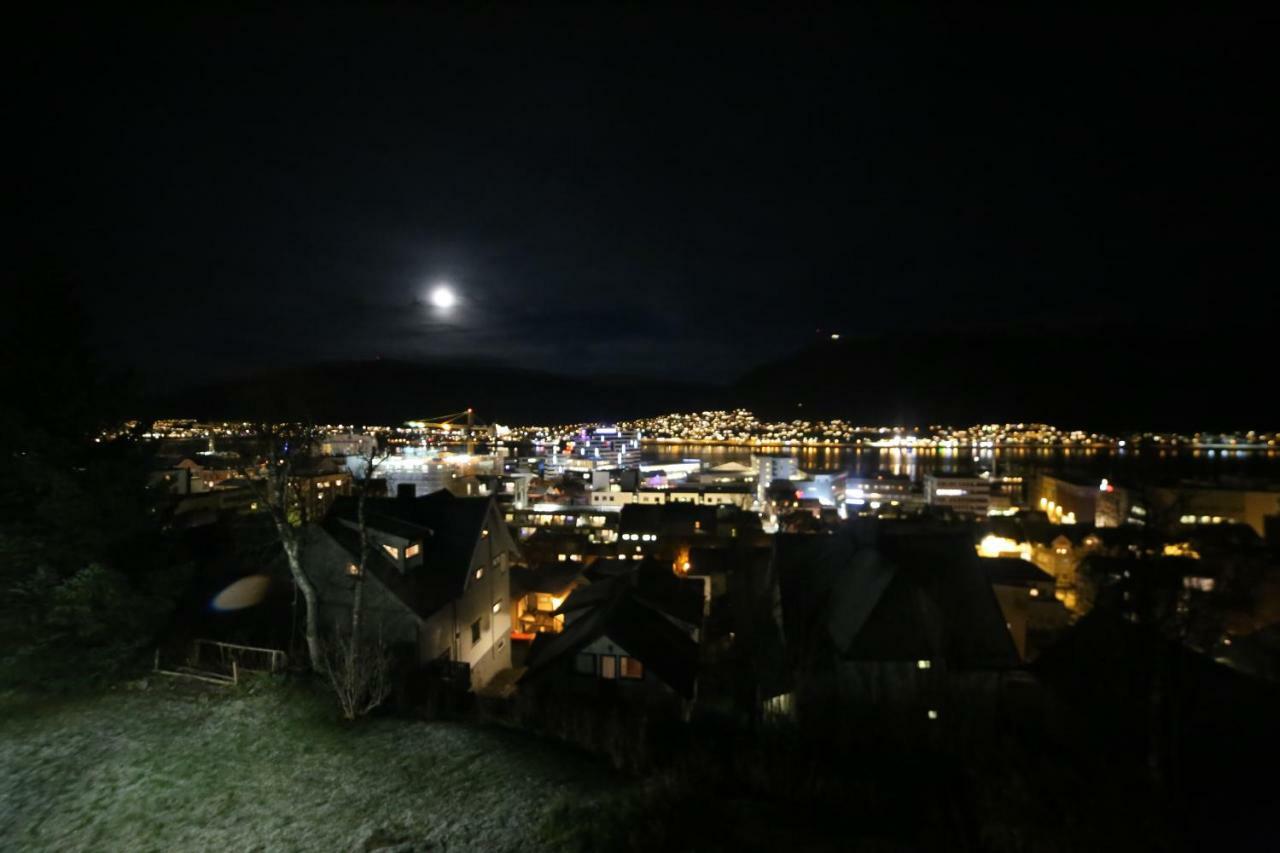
(1119, 464)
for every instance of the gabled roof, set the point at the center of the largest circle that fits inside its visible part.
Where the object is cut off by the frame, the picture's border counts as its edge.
(454, 524)
(637, 625)
(903, 597)
(392, 526)
(731, 468)
(1013, 571)
(551, 577)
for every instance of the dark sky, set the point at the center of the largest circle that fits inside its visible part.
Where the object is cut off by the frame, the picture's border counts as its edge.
(637, 191)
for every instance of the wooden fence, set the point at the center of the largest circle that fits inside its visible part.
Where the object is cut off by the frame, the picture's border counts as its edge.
(213, 662)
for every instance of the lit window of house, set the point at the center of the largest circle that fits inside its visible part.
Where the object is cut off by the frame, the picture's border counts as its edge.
(924, 664)
(933, 715)
(353, 569)
(479, 573)
(1035, 593)
(631, 668)
(412, 551)
(497, 605)
(392, 550)
(608, 666)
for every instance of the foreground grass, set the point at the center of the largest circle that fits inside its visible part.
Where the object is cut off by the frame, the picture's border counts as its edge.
(165, 770)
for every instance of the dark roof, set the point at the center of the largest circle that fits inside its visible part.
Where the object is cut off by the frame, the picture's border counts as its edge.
(594, 593)
(653, 581)
(1013, 571)
(549, 577)
(455, 525)
(607, 568)
(394, 526)
(633, 623)
(902, 597)
(639, 518)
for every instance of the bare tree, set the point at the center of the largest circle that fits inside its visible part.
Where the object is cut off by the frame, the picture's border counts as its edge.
(359, 672)
(370, 459)
(281, 449)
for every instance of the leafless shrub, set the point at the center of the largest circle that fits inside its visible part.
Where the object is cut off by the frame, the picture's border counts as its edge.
(360, 673)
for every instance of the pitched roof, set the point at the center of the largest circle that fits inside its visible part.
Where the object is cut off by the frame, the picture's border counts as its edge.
(550, 577)
(454, 524)
(1013, 571)
(902, 597)
(732, 468)
(633, 623)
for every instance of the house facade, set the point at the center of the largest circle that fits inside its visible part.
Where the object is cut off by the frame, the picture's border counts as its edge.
(437, 577)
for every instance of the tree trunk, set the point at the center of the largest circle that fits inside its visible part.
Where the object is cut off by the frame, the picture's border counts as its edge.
(357, 598)
(289, 539)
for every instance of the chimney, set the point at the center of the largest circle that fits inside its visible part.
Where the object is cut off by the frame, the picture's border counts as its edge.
(406, 491)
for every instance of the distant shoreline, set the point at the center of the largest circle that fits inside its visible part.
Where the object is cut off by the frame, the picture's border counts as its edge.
(1108, 445)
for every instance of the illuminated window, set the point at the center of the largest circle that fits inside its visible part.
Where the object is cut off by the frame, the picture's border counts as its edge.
(392, 550)
(353, 569)
(933, 715)
(412, 551)
(497, 605)
(585, 664)
(631, 668)
(924, 664)
(608, 666)
(1035, 593)
(479, 573)
(475, 632)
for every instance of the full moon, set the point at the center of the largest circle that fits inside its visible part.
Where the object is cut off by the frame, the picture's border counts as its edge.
(443, 297)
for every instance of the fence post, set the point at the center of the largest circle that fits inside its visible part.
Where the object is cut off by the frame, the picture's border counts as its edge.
(156, 666)
(235, 672)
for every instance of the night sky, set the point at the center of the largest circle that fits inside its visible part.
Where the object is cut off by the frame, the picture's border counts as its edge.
(635, 192)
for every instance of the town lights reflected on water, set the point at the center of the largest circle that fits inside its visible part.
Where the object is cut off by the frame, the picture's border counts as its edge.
(246, 592)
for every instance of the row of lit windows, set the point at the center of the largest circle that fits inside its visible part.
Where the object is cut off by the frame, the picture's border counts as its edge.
(641, 537)
(1205, 519)
(608, 666)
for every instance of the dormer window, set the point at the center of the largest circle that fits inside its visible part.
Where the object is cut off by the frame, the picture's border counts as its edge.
(392, 551)
(412, 551)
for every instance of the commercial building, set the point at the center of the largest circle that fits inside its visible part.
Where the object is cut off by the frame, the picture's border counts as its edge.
(772, 467)
(965, 495)
(1066, 499)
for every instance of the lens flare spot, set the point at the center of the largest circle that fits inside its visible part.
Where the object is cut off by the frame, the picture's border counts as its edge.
(246, 592)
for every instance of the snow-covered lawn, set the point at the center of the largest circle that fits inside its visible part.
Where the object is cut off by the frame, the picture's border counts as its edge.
(160, 770)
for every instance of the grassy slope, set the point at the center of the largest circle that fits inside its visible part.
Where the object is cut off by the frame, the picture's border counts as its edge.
(159, 770)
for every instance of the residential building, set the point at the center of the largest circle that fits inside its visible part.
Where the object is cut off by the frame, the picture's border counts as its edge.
(1026, 597)
(621, 645)
(889, 623)
(437, 579)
